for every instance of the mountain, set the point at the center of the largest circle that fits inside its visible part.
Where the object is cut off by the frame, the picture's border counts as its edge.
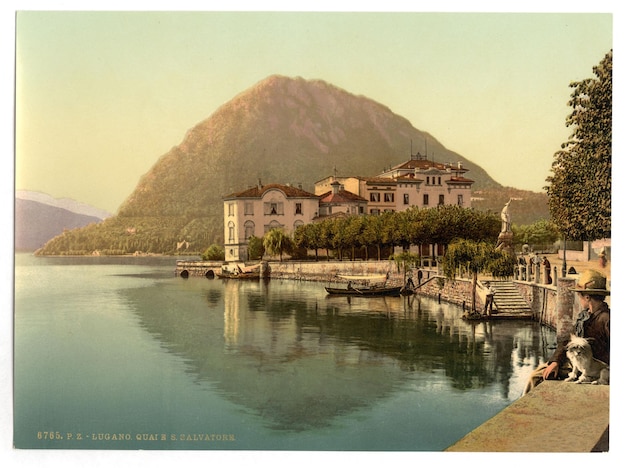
(282, 130)
(40, 217)
(63, 203)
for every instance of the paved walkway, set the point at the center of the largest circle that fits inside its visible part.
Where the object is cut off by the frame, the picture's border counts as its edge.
(555, 416)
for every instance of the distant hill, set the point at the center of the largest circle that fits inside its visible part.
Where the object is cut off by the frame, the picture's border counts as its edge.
(526, 206)
(282, 130)
(40, 217)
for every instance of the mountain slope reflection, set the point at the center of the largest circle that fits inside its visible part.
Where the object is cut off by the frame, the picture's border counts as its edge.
(299, 360)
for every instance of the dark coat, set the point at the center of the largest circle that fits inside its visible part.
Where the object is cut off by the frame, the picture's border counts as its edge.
(597, 326)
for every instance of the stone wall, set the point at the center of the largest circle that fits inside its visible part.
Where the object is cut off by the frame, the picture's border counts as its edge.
(324, 271)
(457, 291)
(542, 300)
(185, 268)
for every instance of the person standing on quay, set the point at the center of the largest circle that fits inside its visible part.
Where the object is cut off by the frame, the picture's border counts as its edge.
(547, 266)
(491, 292)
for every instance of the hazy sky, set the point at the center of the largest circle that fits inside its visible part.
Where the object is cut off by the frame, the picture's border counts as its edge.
(100, 96)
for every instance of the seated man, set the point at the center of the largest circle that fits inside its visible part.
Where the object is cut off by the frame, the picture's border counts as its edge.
(592, 322)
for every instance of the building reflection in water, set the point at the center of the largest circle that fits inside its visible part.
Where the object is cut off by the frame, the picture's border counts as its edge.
(299, 359)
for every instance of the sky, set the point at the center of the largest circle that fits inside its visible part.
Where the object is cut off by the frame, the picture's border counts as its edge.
(101, 95)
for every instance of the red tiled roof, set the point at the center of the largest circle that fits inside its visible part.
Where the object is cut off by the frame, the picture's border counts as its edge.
(459, 180)
(343, 196)
(379, 180)
(258, 192)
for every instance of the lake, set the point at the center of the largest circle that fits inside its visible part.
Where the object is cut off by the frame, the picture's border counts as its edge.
(119, 353)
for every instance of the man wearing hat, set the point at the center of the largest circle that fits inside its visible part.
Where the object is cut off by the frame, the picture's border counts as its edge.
(592, 322)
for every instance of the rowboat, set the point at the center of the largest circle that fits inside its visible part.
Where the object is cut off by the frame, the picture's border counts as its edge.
(251, 273)
(370, 285)
(365, 291)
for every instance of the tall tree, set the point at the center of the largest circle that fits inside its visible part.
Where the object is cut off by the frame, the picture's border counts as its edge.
(276, 242)
(477, 257)
(579, 194)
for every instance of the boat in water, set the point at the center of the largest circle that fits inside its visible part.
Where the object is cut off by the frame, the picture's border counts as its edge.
(247, 273)
(371, 285)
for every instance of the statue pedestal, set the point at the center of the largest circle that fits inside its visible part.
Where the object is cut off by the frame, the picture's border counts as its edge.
(505, 242)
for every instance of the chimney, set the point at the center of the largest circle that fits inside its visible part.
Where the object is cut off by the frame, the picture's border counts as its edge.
(260, 185)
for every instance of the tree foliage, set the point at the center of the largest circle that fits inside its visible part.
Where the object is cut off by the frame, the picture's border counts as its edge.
(440, 225)
(277, 242)
(579, 194)
(539, 235)
(214, 252)
(122, 235)
(477, 257)
(255, 248)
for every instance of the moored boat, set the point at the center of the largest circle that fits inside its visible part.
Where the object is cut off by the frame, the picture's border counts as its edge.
(252, 273)
(372, 285)
(365, 291)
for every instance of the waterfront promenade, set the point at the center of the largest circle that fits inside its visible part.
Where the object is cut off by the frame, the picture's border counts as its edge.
(555, 416)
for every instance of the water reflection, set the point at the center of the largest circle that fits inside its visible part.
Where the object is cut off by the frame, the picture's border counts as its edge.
(299, 359)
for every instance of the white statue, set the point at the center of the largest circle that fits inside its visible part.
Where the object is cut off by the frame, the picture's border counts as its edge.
(506, 217)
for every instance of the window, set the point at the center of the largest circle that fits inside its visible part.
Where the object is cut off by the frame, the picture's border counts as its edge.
(298, 208)
(425, 199)
(389, 198)
(441, 199)
(231, 209)
(438, 180)
(248, 229)
(459, 200)
(248, 209)
(231, 232)
(272, 225)
(406, 198)
(375, 211)
(375, 197)
(273, 208)
(427, 180)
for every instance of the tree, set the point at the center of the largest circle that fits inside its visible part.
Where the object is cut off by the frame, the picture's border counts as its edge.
(579, 194)
(477, 257)
(276, 242)
(213, 252)
(406, 260)
(255, 248)
(538, 235)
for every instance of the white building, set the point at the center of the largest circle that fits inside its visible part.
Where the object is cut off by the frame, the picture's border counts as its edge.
(416, 182)
(259, 209)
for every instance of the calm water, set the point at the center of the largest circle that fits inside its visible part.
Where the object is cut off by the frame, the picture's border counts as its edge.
(121, 354)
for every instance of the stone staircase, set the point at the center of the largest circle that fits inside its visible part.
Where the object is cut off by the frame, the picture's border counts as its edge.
(509, 302)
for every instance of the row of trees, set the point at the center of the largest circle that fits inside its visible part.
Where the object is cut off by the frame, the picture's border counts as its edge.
(414, 226)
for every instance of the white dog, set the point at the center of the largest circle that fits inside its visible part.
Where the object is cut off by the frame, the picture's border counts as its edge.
(591, 370)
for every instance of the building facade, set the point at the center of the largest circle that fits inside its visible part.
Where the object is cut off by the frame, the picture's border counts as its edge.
(416, 182)
(259, 209)
(341, 201)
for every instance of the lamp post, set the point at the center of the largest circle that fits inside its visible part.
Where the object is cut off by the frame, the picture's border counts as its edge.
(564, 268)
